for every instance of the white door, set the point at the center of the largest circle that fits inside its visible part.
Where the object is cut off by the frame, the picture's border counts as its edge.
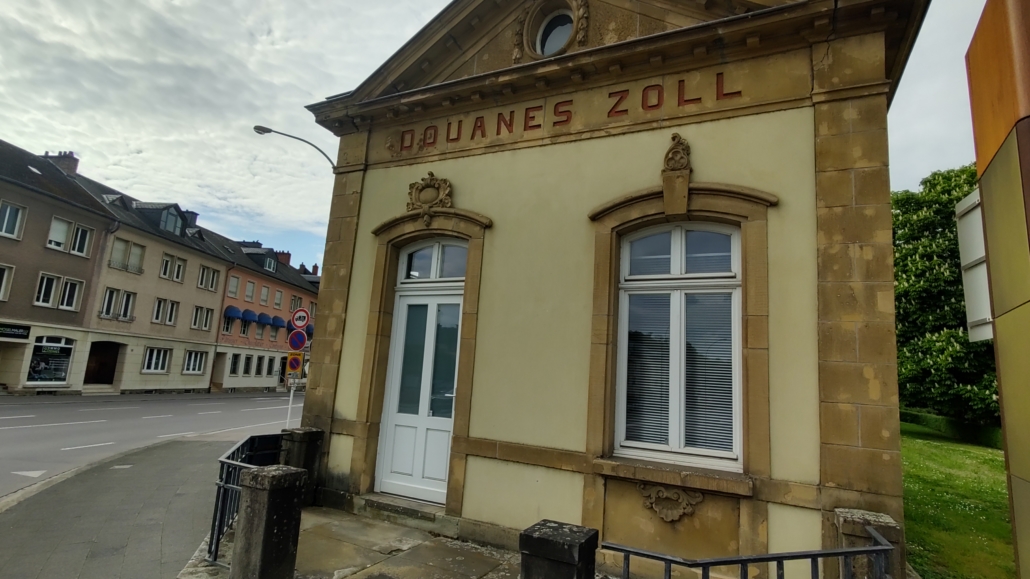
(415, 444)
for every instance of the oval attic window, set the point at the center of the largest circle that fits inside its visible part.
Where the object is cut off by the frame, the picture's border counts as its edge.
(554, 33)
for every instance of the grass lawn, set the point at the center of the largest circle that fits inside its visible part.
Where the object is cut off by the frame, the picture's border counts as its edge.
(956, 508)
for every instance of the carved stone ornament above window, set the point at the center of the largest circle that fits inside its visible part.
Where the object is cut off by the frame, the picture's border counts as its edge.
(670, 503)
(428, 194)
(676, 176)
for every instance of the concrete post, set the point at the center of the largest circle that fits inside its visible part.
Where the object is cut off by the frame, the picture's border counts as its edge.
(302, 448)
(851, 532)
(268, 524)
(553, 550)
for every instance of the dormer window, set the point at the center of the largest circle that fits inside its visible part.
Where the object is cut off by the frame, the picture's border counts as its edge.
(270, 263)
(171, 222)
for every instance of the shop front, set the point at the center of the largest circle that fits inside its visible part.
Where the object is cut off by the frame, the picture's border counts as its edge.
(643, 286)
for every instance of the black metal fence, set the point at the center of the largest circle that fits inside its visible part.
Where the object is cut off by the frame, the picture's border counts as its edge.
(876, 560)
(251, 452)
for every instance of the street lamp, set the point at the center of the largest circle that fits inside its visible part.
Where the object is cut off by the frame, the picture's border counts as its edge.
(265, 130)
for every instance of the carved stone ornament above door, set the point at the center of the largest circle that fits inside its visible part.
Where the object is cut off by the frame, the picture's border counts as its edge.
(670, 503)
(428, 194)
(676, 172)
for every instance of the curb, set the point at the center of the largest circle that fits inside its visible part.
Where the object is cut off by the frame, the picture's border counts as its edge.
(21, 400)
(11, 499)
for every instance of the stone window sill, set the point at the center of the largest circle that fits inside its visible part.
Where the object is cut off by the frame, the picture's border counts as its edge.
(729, 483)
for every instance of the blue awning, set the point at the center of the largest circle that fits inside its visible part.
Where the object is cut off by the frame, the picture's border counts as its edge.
(310, 330)
(290, 327)
(265, 319)
(233, 312)
(278, 322)
(250, 315)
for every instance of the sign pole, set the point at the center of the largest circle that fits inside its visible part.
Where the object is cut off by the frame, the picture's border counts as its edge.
(289, 409)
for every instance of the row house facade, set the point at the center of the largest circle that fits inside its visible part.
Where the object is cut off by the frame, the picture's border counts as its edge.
(103, 293)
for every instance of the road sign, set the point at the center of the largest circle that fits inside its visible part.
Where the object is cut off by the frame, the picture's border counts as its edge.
(294, 361)
(301, 317)
(298, 339)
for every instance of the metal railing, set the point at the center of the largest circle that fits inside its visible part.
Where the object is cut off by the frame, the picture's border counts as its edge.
(251, 452)
(877, 555)
(137, 269)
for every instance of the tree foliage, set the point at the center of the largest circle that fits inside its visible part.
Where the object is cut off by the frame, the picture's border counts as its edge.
(938, 367)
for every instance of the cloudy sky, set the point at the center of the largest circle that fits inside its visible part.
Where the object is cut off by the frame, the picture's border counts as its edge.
(158, 97)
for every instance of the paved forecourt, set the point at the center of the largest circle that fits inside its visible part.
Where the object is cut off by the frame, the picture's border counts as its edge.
(41, 438)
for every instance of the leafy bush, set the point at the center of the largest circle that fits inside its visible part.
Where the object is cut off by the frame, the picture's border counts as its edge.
(938, 367)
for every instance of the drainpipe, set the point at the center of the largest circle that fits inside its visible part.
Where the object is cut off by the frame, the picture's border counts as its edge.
(218, 331)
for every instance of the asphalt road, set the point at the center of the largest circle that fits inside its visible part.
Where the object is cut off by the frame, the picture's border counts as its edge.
(40, 438)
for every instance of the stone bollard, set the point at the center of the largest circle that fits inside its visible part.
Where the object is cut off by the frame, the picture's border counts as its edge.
(268, 523)
(302, 448)
(553, 550)
(851, 532)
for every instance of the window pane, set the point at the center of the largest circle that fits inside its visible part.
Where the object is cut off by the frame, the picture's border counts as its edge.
(647, 369)
(454, 258)
(708, 252)
(411, 360)
(708, 411)
(445, 360)
(118, 253)
(651, 255)
(419, 264)
(9, 219)
(136, 256)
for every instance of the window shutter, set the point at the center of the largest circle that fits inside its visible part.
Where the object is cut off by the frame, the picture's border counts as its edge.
(647, 375)
(58, 232)
(708, 383)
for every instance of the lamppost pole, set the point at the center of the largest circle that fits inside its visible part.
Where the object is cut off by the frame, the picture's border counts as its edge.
(265, 130)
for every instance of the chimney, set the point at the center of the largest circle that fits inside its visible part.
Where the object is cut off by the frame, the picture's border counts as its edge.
(283, 257)
(66, 160)
(191, 218)
(314, 269)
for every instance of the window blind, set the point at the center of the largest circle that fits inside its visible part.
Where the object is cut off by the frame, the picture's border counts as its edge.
(647, 376)
(58, 233)
(708, 367)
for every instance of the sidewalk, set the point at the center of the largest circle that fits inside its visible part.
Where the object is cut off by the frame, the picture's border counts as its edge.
(138, 516)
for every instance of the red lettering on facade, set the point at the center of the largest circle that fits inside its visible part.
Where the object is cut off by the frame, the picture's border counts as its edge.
(508, 122)
(407, 140)
(479, 127)
(456, 138)
(658, 92)
(563, 113)
(720, 94)
(615, 111)
(683, 100)
(530, 119)
(430, 135)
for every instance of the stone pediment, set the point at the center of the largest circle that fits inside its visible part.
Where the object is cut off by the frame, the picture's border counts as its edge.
(472, 37)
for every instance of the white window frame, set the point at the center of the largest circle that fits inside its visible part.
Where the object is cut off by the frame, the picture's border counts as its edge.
(273, 334)
(203, 276)
(167, 263)
(259, 366)
(19, 224)
(278, 303)
(60, 245)
(194, 363)
(248, 292)
(227, 324)
(6, 281)
(230, 290)
(124, 261)
(213, 284)
(159, 311)
(263, 300)
(540, 32)
(248, 365)
(434, 280)
(270, 263)
(74, 307)
(127, 307)
(245, 328)
(259, 332)
(179, 270)
(172, 313)
(90, 232)
(55, 291)
(198, 317)
(156, 360)
(235, 360)
(109, 306)
(208, 315)
(678, 285)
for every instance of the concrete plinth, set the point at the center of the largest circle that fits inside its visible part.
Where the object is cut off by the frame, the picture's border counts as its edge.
(302, 448)
(553, 550)
(268, 525)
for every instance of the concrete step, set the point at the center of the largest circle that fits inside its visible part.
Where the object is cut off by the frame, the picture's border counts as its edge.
(100, 390)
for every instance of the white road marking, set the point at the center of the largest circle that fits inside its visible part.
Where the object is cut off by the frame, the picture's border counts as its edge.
(162, 416)
(57, 424)
(215, 412)
(238, 428)
(177, 434)
(30, 473)
(269, 408)
(208, 404)
(121, 466)
(99, 409)
(88, 446)
(12, 417)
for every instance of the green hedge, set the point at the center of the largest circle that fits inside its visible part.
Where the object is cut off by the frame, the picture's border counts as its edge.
(989, 436)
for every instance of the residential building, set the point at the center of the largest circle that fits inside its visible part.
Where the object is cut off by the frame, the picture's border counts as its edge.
(620, 264)
(261, 292)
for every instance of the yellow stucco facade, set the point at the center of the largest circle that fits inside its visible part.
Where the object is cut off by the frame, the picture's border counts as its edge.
(546, 170)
